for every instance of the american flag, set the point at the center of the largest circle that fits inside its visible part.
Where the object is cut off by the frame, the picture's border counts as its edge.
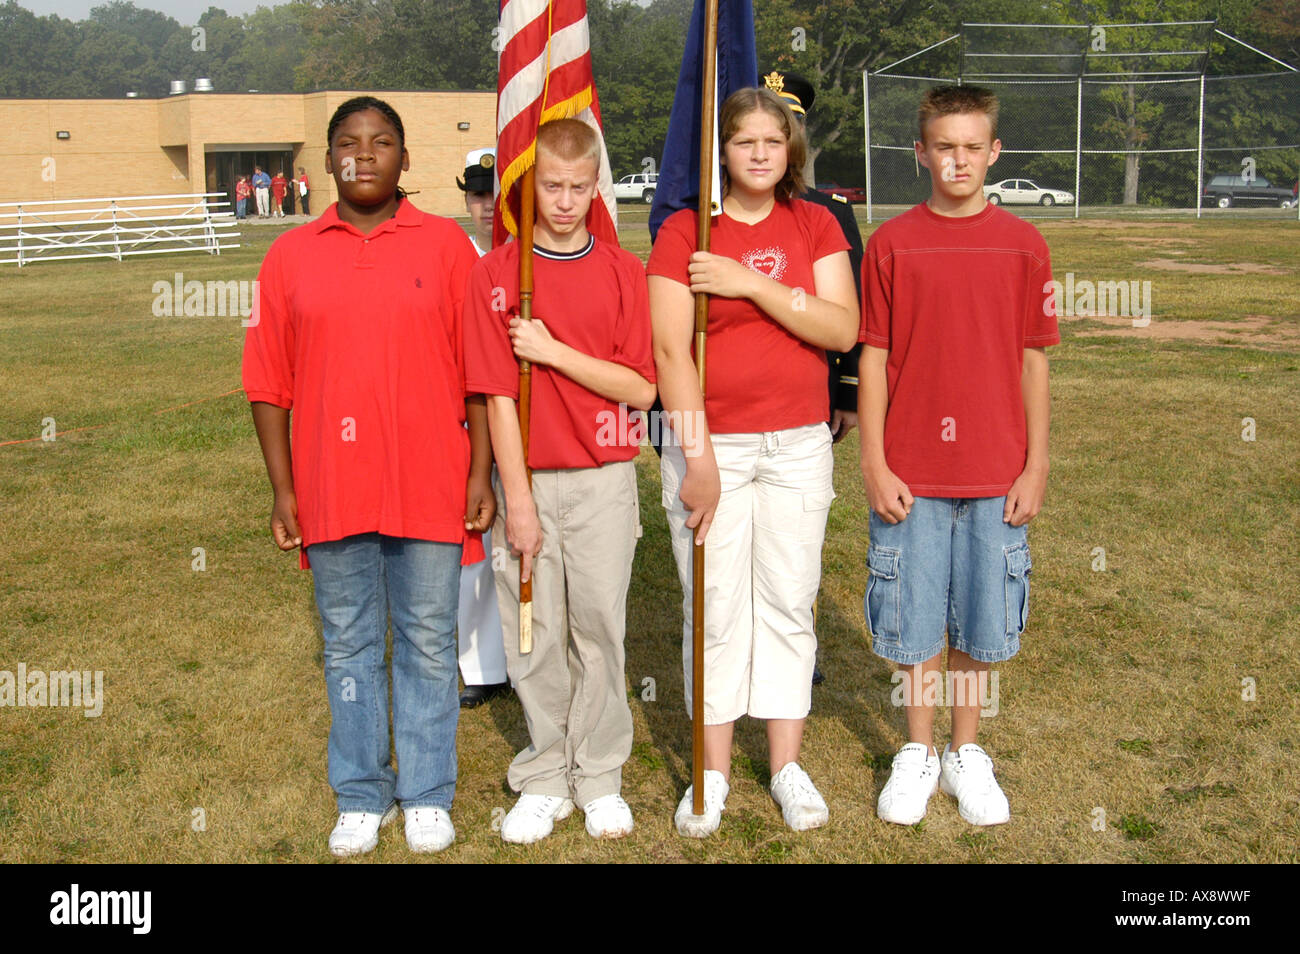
(544, 73)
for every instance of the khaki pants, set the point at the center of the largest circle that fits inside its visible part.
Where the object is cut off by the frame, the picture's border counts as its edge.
(571, 685)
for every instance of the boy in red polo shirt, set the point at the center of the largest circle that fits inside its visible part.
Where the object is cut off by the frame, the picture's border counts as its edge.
(954, 409)
(357, 338)
(579, 521)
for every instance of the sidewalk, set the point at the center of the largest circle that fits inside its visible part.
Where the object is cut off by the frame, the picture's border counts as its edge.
(275, 220)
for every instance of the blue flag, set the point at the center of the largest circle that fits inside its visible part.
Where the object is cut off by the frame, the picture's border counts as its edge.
(679, 169)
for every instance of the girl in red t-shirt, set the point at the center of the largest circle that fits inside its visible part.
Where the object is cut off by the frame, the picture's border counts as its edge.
(750, 476)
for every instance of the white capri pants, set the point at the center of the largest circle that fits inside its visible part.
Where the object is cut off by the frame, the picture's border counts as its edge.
(762, 569)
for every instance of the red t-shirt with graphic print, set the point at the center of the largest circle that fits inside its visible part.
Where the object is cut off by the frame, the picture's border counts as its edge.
(760, 377)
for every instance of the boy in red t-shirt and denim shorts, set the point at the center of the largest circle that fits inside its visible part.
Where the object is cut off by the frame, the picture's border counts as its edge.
(579, 521)
(954, 410)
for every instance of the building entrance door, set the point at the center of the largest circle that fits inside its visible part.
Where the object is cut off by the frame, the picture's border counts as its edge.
(224, 167)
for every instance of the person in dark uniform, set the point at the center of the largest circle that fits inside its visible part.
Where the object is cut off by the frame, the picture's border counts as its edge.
(799, 94)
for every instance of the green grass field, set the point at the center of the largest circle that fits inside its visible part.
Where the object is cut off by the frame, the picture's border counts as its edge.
(1150, 716)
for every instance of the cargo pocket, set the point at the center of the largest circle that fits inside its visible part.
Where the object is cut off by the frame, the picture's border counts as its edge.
(819, 500)
(816, 507)
(1019, 566)
(634, 494)
(883, 601)
(669, 485)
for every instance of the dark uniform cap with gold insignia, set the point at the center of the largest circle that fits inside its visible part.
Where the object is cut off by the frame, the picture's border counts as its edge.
(797, 92)
(480, 175)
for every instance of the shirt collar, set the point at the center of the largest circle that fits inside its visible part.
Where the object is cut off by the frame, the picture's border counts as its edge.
(566, 256)
(406, 215)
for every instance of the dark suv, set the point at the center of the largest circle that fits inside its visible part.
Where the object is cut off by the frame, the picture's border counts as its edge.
(1225, 191)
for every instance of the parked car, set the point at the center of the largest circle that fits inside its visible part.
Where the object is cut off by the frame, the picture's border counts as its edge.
(850, 193)
(1024, 192)
(1229, 190)
(638, 187)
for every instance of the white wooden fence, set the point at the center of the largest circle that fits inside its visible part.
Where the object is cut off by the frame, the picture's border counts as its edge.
(58, 229)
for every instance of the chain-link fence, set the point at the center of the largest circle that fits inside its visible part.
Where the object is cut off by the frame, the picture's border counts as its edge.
(1098, 119)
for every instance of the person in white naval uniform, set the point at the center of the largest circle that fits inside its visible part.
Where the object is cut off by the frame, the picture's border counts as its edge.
(482, 649)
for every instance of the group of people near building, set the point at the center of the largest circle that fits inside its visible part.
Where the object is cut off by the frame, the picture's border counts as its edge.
(383, 378)
(268, 193)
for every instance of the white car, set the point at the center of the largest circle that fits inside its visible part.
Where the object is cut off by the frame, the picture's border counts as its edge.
(639, 187)
(1024, 192)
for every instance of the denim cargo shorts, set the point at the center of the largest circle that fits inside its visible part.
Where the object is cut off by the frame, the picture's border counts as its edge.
(951, 566)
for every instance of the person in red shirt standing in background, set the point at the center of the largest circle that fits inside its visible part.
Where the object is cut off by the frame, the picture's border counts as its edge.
(358, 339)
(243, 189)
(751, 477)
(953, 405)
(579, 521)
(279, 186)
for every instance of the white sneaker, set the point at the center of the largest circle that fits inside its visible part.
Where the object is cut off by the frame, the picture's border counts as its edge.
(802, 806)
(715, 802)
(608, 817)
(968, 777)
(428, 829)
(912, 780)
(534, 817)
(358, 832)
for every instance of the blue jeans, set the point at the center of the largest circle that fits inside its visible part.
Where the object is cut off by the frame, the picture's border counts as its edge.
(240, 206)
(361, 580)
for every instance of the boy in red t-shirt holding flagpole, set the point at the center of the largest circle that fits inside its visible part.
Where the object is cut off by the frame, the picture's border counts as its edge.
(577, 525)
(953, 405)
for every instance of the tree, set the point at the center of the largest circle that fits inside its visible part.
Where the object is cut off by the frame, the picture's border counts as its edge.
(831, 42)
(636, 54)
(151, 28)
(273, 45)
(35, 54)
(399, 44)
(1136, 112)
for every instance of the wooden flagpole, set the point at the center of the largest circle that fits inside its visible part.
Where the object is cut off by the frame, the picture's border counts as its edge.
(708, 110)
(526, 212)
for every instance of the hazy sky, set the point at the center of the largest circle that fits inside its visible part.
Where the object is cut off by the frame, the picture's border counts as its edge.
(186, 12)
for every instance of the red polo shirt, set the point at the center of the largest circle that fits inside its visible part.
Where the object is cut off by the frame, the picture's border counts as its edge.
(360, 336)
(594, 300)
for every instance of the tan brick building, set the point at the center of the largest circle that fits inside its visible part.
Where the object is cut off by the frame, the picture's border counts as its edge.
(197, 142)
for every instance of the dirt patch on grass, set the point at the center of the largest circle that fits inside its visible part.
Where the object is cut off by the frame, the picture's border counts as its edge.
(1252, 330)
(1158, 242)
(1102, 224)
(1199, 268)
